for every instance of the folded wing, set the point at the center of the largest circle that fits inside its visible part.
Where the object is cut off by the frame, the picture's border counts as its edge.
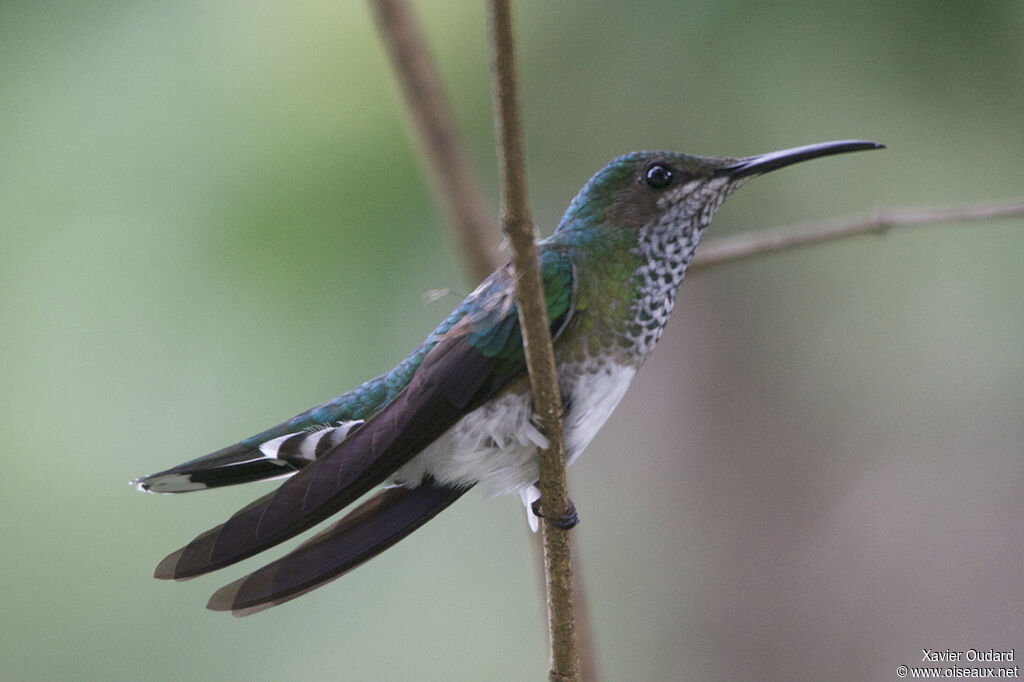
(476, 358)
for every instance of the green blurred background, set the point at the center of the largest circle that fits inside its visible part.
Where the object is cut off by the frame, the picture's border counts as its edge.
(212, 217)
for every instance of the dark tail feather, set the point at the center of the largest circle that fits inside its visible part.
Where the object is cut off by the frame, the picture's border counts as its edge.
(237, 463)
(371, 528)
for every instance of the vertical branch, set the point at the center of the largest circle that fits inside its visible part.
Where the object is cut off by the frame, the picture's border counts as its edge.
(449, 170)
(540, 358)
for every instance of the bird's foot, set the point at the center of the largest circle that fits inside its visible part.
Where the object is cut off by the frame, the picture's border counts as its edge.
(565, 521)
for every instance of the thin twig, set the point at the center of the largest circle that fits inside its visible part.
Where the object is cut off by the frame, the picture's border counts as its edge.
(540, 358)
(752, 244)
(449, 169)
(438, 136)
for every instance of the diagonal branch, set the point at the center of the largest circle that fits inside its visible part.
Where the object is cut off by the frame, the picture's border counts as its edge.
(450, 171)
(540, 358)
(743, 246)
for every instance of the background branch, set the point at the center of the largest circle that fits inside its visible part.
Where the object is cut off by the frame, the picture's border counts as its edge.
(451, 176)
(448, 167)
(540, 358)
(730, 249)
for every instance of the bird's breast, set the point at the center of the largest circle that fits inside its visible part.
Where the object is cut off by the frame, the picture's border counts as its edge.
(594, 394)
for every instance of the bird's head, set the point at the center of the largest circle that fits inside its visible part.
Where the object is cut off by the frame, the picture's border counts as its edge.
(677, 193)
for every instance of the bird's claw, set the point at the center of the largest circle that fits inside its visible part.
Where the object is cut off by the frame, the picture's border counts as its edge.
(565, 521)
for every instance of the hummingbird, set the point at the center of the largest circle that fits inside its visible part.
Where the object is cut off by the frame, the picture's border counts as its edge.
(457, 412)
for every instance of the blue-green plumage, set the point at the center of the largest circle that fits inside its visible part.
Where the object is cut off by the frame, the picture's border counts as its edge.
(457, 411)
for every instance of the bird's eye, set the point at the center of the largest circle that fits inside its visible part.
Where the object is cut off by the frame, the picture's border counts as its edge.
(658, 176)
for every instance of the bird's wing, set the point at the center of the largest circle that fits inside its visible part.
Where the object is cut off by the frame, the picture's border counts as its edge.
(362, 534)
(468, 364)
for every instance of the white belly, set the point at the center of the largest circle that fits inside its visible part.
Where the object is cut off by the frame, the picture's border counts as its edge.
(495, 446)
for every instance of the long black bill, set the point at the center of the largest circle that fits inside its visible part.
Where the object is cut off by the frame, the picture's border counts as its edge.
(763, 163)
